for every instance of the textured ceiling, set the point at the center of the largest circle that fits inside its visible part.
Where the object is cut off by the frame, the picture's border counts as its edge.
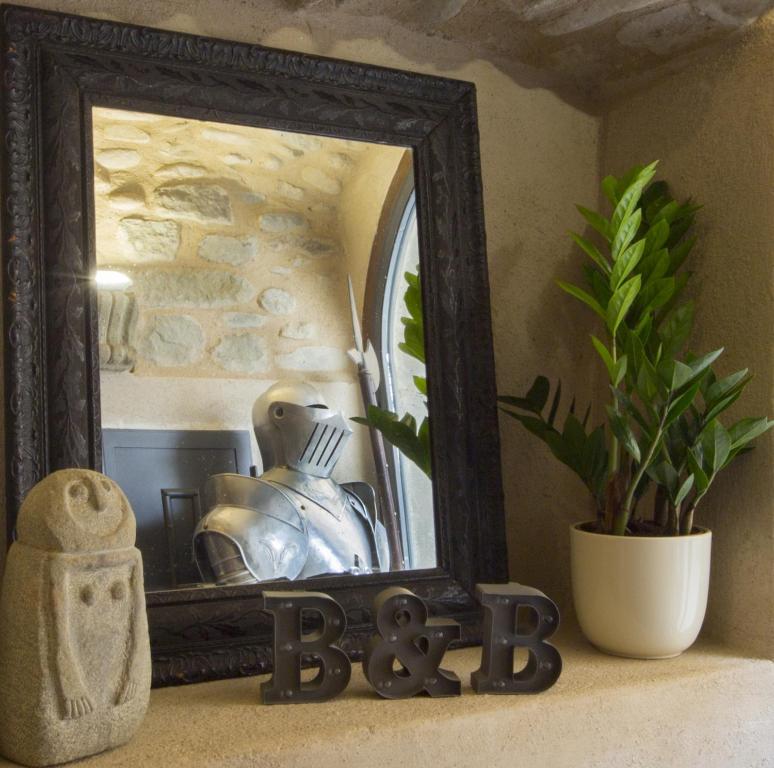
(590, 47)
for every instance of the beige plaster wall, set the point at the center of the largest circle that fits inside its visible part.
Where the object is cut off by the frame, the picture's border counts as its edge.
(360, 208)
(539, 156)
(712, 127)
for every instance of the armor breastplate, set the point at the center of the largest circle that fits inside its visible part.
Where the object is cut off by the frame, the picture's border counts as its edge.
(285, 524)
(339, 532)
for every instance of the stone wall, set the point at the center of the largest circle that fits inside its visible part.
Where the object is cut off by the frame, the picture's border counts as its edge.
(232, 237)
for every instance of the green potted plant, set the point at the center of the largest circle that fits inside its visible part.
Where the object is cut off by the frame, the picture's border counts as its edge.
(640, 570)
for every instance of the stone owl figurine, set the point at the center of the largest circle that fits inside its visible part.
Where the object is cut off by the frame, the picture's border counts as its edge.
(75, 665)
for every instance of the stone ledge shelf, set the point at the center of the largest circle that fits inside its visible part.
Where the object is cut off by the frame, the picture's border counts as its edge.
(706, 708)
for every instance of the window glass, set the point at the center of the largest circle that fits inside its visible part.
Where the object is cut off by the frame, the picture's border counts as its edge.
(413, 488)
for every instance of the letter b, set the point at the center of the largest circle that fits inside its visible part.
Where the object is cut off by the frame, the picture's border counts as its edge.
(291, 644)
(502, 635)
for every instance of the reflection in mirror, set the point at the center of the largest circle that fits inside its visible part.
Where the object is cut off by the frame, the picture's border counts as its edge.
(261, 346)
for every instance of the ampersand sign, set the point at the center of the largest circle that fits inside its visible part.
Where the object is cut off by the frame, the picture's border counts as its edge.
(408, 637)
(504, 632)
(291, 644)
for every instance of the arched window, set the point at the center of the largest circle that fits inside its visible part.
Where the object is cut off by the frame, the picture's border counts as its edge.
(396, 252)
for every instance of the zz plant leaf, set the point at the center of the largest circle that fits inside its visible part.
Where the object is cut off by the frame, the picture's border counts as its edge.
(663, 423)
(584, 452)
(402, 433)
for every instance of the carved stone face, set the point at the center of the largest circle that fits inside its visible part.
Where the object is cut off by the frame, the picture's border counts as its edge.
(76, 510)
(95, 503)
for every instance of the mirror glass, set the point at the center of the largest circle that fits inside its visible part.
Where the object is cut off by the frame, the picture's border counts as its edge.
(258, 290)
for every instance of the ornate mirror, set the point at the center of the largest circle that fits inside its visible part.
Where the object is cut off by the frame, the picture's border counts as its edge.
(250, 286)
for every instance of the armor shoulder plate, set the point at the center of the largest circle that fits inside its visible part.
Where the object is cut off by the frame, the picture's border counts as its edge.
(251, 493)
(260, 521)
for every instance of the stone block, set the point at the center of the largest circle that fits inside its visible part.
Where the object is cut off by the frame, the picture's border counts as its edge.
(173, 341)
(244, 320)
(254, 198)
(277, 302)
(75, 665)
(286, 221)
(234, 158)
(225, 137)
(119, 159)
(340, 161)
(181, 171)
(289, 191)
(146, 240)
(298, 329)
(242, 353)
(129, 133)
(125, 116)
(127, 198)
(271, 163)
(228, 250)
(300, 141)
(200, 203)
(192, 288)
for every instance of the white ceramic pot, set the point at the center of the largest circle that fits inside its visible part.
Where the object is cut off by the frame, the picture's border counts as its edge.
(642, 597)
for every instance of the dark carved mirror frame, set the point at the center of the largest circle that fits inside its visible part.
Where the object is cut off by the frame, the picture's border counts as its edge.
(55, 68)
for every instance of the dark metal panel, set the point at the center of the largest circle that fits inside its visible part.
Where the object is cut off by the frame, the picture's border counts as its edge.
(161, 472)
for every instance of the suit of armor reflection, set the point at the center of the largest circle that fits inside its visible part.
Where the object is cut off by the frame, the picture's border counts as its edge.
(293, 521)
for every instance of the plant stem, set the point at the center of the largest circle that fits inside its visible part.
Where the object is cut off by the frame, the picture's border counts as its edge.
(613, 458)
(622, 519)
(671, 526)
(660, 507)
(686, 523)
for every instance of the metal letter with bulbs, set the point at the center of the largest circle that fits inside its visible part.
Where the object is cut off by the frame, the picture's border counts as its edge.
(404, 659)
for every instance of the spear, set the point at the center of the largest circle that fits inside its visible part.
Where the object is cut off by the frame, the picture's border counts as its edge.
(361, 355)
